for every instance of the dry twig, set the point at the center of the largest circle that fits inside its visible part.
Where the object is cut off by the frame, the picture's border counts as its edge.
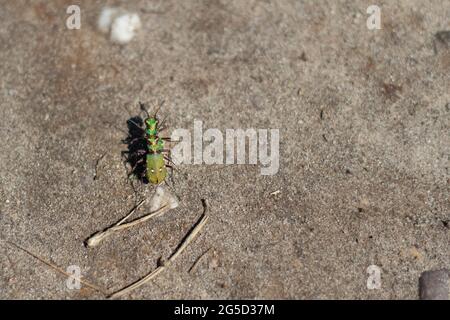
(58, 269)
(181, 247)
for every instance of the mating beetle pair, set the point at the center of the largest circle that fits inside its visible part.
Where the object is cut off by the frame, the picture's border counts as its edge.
(157, 158)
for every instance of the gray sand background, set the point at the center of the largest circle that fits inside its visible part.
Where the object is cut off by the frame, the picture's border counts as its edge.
(364, 149)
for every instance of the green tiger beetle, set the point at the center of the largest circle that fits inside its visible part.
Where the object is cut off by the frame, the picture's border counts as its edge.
(157, 158)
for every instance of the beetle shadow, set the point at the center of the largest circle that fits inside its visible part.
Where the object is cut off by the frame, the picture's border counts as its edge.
(136, 148)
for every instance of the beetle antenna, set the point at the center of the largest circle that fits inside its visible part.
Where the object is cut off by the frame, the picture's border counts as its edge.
(142, 106)
(160, 105)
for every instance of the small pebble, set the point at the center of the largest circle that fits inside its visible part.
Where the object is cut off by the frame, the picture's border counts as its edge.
(124, 27)
(120, 24)
(434, 285)
(161, 197)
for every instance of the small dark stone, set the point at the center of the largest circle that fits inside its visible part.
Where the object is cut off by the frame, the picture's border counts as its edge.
(434, 285)
(390, 90)
(443, 37)
(303, 57)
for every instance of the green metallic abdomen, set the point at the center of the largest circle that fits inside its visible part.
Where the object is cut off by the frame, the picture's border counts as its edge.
(156, 168)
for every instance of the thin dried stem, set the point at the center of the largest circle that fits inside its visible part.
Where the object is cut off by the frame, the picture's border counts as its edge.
(199, 259)
(58, 269)
(181, 247)
(138, 283)
(99, 236)
(189, 238)
(131, 212)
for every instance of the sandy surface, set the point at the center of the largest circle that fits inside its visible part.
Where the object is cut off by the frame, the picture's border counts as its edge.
(364, 149)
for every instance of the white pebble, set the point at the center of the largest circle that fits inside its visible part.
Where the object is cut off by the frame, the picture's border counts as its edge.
(121, 25)
(124, 27)
(162, 197)
(106, 18)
